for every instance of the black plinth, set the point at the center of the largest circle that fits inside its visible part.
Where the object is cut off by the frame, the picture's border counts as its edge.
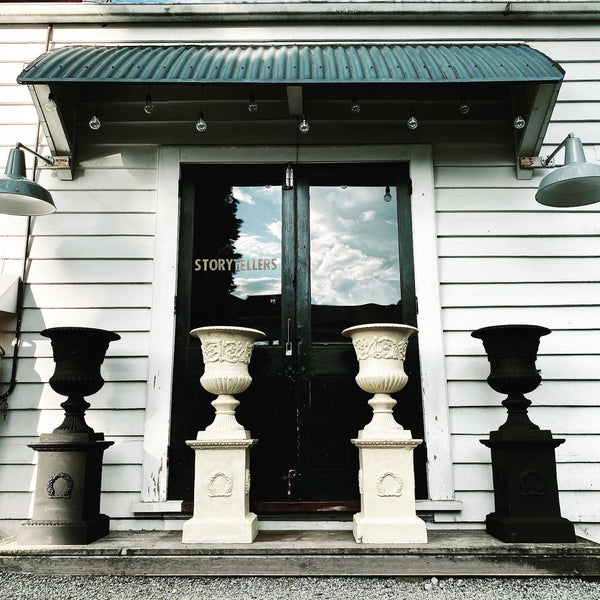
(526, 499)
(525, 490)
(66, 506)
(67, 496)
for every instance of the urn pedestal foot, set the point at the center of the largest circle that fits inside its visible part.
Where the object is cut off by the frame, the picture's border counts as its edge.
(67, 497)
(221, 493)
(387, 487)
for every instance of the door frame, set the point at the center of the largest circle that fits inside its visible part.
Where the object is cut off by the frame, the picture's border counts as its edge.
(162, 331)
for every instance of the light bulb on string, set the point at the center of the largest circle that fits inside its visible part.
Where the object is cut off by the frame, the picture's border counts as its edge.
(355, 106)
(412, 122)
(519, 122)
(304, 126)
(94, 122)
(50, 103)
(201, 125)
(252, 104)
(149, 107)
(463, 107)
(387, 196)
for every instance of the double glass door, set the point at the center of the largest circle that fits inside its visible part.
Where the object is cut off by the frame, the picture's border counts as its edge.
(300, 252)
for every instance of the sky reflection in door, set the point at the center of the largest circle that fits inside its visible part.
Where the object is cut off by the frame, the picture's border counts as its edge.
(259, 241)
(355, 273)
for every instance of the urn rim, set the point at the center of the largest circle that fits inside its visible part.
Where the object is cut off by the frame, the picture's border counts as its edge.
(378, 326)
(228, 329)
(110, 335)
(540, 329)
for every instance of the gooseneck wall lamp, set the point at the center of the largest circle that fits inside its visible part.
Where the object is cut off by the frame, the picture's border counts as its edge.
(23, 197)
(19, 195)
(577, 183)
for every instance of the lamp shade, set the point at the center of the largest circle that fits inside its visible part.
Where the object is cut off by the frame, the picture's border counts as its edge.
(577, 183)
(19, 195)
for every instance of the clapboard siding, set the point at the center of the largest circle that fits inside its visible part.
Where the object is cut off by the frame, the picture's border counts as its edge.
(468, 319)
(118, 395)
(583, 366)
(32, 370)
(482, 223)
(550, 393)
(548, 246)
(110, 421)
(577, 506)
(92, 295)
(467, 449)
(15, 451)
(568, 341)
(118, 319)
(73, 271)
(509, 269)
(110, 201)
(480, 420)
(80, 224)
(65, 247)
(571, 477)
(520, 294)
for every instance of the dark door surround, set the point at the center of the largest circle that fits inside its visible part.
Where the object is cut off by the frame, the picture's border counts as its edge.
(295, 306)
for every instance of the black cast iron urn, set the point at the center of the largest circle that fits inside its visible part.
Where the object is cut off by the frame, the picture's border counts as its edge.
(523, 461)
(66, 506)
(78, 353)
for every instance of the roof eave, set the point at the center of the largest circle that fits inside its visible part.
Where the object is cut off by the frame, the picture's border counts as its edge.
(95, 13)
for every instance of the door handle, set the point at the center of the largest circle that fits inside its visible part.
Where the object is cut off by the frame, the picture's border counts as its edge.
(290, 475)
(288, 343)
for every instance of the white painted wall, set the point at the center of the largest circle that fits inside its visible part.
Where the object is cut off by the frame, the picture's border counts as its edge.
(502, 258)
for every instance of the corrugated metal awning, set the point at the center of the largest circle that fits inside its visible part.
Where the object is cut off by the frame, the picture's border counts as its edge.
(302, 64)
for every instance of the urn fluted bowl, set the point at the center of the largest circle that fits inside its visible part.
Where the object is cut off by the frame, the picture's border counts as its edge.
(78, 353)
(226, 352)
(512, 352)
(380, 349)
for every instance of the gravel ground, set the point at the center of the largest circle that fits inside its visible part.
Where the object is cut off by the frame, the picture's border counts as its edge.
(42, 587)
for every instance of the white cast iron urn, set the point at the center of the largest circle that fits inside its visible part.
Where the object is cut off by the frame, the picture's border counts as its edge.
(381, 349)
(226, 351)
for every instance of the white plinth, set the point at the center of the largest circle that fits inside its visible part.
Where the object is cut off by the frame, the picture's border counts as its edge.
(221, 493)
(387, 487)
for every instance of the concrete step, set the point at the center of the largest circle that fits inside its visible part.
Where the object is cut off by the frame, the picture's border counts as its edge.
(309, 553)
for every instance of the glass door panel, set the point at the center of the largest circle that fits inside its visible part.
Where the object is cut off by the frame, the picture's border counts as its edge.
(354, 265)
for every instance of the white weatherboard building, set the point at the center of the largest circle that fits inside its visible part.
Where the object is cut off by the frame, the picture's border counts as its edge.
(146, 202)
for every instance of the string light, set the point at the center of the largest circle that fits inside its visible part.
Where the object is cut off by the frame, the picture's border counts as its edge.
(201, 125)
(463, 107)
(387, 196)
(252, 104)
(94, 122)
(519, 122)
(304, 126)
(412, 122)
(149, 107)
(355, 106)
